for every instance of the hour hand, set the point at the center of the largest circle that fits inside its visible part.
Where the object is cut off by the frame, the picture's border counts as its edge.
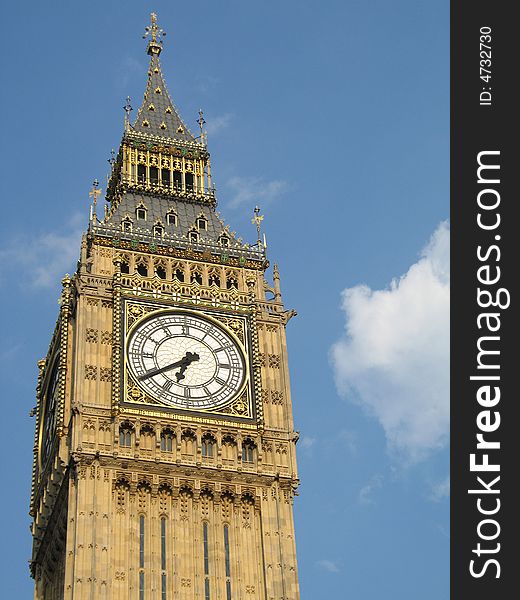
(188, 359)
(183, 363)
(162, 369)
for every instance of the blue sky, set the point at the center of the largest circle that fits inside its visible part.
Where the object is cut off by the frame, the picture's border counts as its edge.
(333, 116)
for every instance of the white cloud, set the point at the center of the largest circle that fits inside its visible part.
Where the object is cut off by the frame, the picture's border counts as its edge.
(394, 356)
(307, 442)
(42, 260)
(365, 494)
(216, 124)
(440, 490)
(254, 190)
(328, 565)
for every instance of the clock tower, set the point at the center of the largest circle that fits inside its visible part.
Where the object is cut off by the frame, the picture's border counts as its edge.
(164, 455)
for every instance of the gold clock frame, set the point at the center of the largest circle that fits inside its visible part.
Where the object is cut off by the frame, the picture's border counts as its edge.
(242, 404)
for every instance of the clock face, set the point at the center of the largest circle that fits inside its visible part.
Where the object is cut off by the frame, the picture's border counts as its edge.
(49, 423)
(185, 361)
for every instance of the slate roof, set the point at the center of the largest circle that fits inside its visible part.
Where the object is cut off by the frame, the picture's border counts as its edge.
(158, 110)
(174, 235)
(156, 210)
(165, 122)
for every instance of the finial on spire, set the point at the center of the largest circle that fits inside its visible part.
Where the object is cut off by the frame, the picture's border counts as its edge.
(155, 32)
(112, 160)
(94, 193)
(201, 121)
(128, 109)
(257, 220)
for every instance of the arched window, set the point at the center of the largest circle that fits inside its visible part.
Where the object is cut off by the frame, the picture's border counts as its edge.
(232, 282)
(227, 562)
(125, 268)
(223, 240)
(208, 446)
(214, 279)
(205, 541)
(248, 451)
(147, 436)
(154, 175)
(229, 448)
(167, 440)
(179, 275)
(142, 269)
(165, 177)
(125, 436)
(189, 181)
(188, 442)
(141, 173)
(140, 213)
(158, 230)
(196, 276)
(202, 224)
(126, 225)
(141, 556)
(177, 180)
(171, 218)
(163, 558)
(193, 236)
(160, 271)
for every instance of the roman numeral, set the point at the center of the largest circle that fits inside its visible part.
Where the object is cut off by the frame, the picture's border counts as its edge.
(167, 386)
(224, 366)
(220, 381)
(187, 392)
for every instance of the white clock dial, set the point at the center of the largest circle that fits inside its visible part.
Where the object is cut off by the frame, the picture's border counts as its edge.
(185, 360)
(49, 415)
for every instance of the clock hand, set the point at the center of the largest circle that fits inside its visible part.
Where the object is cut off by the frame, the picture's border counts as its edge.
(153, 372)
(190, 357)
(183, 363)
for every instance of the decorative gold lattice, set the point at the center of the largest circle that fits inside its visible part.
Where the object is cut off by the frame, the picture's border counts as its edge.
(105, 374)
(236, 326)
(239, 407)
(106, 338)
(90, 372)
(136, 312)
(91, 336)
(274, 361)
(277, 397)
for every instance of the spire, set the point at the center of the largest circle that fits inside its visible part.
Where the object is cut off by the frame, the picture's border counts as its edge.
(257, 220)
(157, 115)
(94, 193)
(155, 32)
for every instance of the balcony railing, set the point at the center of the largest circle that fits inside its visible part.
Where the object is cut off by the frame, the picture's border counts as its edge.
(138, 235)
(170, 188)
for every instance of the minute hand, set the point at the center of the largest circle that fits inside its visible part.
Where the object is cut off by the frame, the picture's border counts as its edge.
(179, 363)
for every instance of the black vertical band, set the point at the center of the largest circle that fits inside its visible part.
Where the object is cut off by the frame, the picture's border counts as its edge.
(485, 250)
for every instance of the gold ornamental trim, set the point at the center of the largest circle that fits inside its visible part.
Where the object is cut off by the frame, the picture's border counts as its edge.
(235, 325)
(127, 410)
(188, 253)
